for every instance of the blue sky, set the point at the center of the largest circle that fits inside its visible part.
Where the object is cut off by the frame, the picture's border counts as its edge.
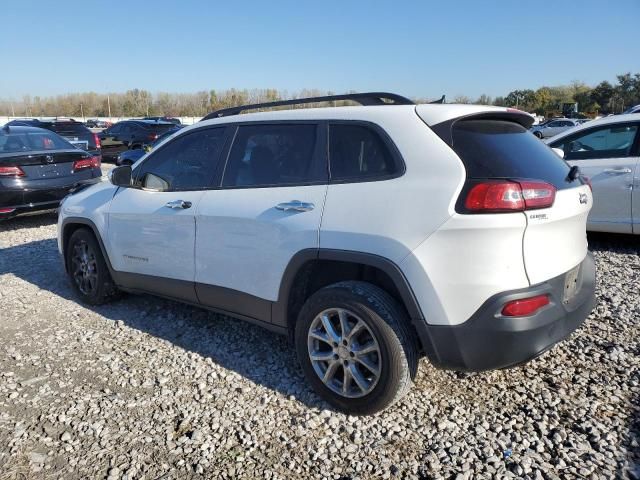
(416, 48)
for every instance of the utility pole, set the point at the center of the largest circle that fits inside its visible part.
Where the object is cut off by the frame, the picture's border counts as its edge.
(82, 112)
(13, 112)
(109, 107)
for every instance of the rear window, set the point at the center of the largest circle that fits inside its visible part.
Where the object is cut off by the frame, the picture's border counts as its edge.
(502, 149)
(32, 141)
(70, 128)
(357, 153)
(161, 127)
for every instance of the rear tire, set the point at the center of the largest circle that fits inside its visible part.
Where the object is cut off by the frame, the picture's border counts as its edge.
(538, 134)
(354, 345)
(88, 270)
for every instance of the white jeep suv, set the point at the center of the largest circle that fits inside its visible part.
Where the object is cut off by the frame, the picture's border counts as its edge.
(372, 235)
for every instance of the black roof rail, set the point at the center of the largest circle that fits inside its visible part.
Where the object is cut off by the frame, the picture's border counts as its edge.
(440, 100)
(366, 99)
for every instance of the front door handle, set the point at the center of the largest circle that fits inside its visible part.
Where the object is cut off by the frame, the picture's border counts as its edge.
(295, 206)
(178, 204)
(617, 171)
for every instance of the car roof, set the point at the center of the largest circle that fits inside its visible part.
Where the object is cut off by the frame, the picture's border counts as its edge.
(623, 118)
(430, 113)
(22, 129)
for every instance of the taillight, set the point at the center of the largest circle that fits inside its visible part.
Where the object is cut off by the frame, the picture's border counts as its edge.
(92, 162)
(587, 180)
(525, 306)
(11, 172)
(96, 139)
(7, 210)
(153, 136)
(495, 196)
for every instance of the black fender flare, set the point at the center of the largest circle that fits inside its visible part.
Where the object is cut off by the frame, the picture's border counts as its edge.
(92, 226)
(280, 307)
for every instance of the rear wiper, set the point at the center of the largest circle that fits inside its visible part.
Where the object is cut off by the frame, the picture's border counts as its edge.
(574, 173)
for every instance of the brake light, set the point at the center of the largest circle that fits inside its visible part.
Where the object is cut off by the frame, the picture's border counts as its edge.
(509, 196)
(91, 162)
(537, 194)
(96, 139)
(525, 306)
(11, 172)
(153, 136)
(7, 210)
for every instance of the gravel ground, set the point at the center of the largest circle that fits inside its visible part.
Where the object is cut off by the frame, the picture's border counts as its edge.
(148, 388)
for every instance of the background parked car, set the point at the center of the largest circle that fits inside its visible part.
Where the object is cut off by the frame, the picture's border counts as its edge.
(608, 152)
(173, 120)
(97, 124)
(553, 127)
(129, 157)
(38, 168)
(74, 132)
(131, 135)
(634, 109)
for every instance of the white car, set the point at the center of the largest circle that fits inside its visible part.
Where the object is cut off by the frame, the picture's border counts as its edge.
(371, 235)
(554, 127)
(607, 151)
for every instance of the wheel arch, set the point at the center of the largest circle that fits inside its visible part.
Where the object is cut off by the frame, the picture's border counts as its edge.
(312, 269)
(70, 225)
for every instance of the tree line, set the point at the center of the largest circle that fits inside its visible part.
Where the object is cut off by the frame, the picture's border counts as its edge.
(604, 98)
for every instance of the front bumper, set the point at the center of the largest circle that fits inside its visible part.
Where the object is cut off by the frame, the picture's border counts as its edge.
(490, 341)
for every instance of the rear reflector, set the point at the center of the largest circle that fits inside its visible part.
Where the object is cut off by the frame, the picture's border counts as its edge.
(92, 162)
(497, 196)
(11, 172)
(525, 306)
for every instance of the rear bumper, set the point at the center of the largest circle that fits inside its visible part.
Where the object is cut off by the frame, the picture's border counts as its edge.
(489, 340)
(24, 202)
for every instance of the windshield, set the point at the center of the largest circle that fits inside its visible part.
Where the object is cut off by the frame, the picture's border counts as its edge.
(17, 142)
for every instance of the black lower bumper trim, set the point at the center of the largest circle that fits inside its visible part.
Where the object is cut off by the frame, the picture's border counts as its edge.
(489, 340)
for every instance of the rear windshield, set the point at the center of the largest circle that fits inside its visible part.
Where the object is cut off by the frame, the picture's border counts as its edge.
(503, 149)
(32, 141)
(69, 128)
(159, 127)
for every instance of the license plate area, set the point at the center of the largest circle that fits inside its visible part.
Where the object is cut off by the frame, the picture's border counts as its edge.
(51, 171)
(572, 280)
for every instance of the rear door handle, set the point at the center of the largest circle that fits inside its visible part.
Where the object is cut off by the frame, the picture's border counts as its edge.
(295, 206)
(178, 204)
(617, 171)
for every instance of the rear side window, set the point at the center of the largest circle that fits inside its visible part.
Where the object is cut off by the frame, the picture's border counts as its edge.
(70, 128)
(503, 149)
(273, 155)
(356, 152)
(185, 163)
(611, 141)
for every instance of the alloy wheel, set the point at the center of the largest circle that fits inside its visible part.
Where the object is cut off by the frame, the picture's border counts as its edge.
(344, 352)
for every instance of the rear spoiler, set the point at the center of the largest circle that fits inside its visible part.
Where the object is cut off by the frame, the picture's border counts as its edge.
(444, 129)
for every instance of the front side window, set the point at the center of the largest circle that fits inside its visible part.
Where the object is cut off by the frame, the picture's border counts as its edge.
(356, 152)
(272, 155)
(187, 162)
(611, 141)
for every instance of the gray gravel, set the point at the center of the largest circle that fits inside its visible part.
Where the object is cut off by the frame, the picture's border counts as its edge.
(148, 388)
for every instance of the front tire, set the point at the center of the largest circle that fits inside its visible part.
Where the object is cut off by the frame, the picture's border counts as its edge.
(355, 348)
(87, 269)
(538, 134)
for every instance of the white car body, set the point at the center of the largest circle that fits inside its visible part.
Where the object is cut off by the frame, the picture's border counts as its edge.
(553, 127)
(613, 166)
(234, 243)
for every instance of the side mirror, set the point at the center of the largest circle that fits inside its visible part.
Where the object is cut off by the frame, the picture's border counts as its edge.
(559, 152)
(121, 176)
